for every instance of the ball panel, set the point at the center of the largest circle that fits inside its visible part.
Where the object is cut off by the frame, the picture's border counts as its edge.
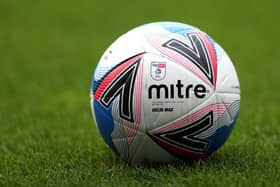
(227, 80)
(193, 49)
(174, 94)
(222, 127)
(105, 123)
(112, 102)
(144, 149)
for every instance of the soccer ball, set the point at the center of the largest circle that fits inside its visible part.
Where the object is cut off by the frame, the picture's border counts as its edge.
(165, 91)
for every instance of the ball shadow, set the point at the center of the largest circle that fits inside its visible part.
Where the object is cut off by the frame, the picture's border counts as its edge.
(229, 157)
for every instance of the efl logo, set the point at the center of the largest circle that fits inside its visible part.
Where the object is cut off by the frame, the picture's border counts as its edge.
(158, 70)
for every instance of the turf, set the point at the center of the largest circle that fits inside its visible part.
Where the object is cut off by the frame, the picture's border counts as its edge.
(48, 51)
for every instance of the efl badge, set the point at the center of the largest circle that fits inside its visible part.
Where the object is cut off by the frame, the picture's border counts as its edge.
(158, 70)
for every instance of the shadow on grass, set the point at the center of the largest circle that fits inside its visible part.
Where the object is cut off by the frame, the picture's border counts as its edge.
(230, 157)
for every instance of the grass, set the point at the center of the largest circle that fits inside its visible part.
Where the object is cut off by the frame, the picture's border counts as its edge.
(48, 51)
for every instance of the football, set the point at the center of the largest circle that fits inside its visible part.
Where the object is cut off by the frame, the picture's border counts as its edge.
(165, 91)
